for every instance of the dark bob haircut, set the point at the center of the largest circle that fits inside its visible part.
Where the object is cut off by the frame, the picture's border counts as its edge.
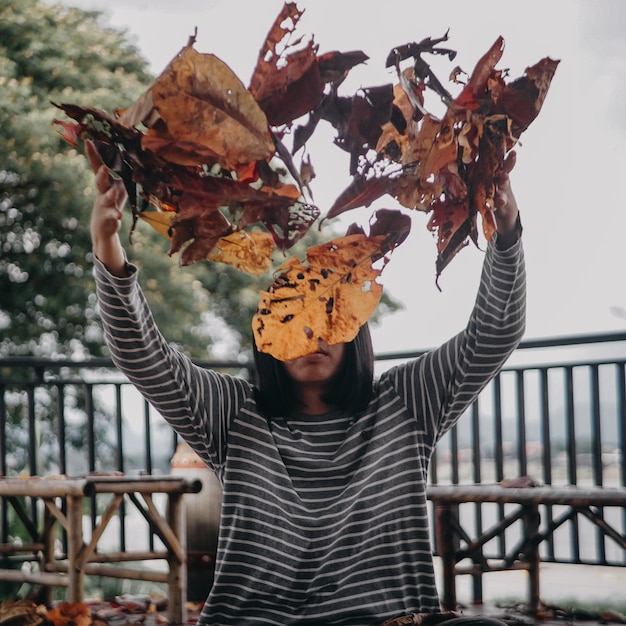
(350, 389)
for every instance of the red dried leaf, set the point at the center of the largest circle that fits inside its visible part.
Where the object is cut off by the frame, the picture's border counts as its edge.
(477, 84)
(70, 614)
(522, 99)
(286, 83)
(360, 192)
(449, 165)
(208, 114)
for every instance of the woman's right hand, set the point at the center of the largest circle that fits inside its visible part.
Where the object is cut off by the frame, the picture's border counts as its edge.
(106, 216)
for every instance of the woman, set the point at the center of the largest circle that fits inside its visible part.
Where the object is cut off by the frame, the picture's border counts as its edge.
(324, 470)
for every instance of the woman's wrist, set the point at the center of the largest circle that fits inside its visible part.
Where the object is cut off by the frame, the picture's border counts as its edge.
(506, 237)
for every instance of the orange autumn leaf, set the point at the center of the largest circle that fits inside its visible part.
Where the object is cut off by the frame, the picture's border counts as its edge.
(329, 296)
(448, 165)
(70, 614)
(200, 145)
(161, 221)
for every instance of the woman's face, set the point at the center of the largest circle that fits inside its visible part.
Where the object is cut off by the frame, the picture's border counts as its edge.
(318, 367)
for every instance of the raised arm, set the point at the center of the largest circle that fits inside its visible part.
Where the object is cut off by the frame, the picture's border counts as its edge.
(198, 403)
(438, 387)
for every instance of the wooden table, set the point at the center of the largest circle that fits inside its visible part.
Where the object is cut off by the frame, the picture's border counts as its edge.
(446, 499)
(63, 500)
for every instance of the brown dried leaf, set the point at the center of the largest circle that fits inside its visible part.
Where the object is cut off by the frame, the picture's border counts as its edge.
(286, 84)
(20, 613)
(208, 113)
(70, 614)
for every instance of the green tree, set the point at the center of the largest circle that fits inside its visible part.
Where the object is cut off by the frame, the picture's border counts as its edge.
(48, 54)
(51, 53)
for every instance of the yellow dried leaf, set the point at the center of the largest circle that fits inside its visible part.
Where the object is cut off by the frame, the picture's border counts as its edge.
(329, 297)
(161, 221)
(248, 252)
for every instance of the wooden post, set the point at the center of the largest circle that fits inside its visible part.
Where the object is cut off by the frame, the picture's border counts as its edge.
(47, 554)
(177, 578)
(445, 546)
(532, 520)
(74, 544)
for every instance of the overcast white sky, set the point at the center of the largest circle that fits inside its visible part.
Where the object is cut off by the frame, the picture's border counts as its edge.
(571, 166)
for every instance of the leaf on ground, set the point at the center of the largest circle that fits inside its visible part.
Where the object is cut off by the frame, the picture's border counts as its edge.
(70, 614)
(20, 613)
(328, 296)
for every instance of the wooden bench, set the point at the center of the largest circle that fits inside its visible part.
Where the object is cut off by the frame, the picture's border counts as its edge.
(454, 543)
(63, 500)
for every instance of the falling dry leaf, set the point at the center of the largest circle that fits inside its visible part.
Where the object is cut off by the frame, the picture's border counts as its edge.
(207, 113)
(447, 166)
(248, 252)
(329, 296)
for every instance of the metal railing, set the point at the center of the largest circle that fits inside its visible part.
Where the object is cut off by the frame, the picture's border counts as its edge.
(555, 415)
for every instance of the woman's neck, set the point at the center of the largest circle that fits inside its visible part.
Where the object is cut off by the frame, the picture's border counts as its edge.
(311, 402)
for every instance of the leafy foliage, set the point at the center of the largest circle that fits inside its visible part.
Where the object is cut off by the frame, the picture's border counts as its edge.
(45, 280)
(445, 167)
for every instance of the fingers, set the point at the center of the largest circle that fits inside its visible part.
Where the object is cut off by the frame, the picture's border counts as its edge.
(112, 191)
(93, 158)
(506, 168)
(111, 200)
(104, 181)
(509, 163)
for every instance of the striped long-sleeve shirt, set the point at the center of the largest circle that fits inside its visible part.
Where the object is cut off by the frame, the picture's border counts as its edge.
(324, 518)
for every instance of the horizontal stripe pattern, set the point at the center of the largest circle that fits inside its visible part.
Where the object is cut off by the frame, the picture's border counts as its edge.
(325, 518)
